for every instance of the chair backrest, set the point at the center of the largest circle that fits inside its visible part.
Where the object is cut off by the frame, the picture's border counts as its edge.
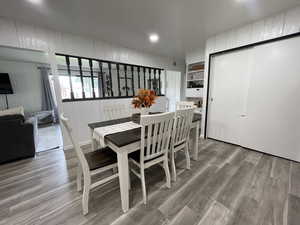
(81, 158)
(182, 125)
(155, 135)
(185, 105)
(116, 111)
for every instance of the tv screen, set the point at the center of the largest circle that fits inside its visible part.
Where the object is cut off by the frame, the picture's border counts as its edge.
(5, 85)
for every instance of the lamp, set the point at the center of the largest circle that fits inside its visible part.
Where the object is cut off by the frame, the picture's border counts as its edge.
(5, 86)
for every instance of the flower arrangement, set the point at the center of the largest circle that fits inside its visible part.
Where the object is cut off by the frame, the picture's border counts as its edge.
(144, 99)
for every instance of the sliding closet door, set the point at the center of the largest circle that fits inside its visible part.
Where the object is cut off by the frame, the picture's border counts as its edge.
(229, 81)
(272, 123)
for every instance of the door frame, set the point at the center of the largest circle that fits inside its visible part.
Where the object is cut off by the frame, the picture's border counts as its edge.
(232, 50)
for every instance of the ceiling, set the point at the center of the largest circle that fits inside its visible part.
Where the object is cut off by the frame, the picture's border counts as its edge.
(182, 25)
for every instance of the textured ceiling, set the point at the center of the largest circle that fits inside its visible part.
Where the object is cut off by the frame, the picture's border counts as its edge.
(182, 24)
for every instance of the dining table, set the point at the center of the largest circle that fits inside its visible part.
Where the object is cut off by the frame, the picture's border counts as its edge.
(126, 142)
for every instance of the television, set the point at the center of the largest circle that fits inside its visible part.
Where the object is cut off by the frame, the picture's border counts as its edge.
(5, 85)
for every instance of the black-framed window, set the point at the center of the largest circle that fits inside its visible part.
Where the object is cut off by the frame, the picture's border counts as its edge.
(83, 78)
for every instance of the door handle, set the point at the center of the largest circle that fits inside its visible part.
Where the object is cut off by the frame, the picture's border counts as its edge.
(211, 99)
(243, 115)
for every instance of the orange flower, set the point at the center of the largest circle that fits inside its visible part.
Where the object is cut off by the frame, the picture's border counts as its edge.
(145, 98)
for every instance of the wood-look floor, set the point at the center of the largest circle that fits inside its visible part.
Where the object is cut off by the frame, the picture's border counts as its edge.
(228, 185)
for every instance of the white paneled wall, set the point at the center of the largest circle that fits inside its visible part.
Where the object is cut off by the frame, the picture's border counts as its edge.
(272, 27)
(21, 35)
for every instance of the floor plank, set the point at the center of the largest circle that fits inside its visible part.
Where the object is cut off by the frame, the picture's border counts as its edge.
(293, 210)
(228, 185)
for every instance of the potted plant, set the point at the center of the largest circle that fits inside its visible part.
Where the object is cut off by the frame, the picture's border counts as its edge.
(143, 101)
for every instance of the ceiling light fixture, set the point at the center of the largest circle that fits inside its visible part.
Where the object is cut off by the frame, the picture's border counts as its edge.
(35, 1)
(153, 38)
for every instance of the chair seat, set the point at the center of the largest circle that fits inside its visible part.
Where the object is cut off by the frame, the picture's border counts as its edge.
(136, 156)
(101, 158)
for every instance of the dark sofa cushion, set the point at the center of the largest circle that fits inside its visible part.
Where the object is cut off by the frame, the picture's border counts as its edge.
(16, 117)
(17, 138)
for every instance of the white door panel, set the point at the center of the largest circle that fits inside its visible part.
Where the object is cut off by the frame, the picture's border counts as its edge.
(228, 91)
(273, 119)
(256, 94)
(173, 89)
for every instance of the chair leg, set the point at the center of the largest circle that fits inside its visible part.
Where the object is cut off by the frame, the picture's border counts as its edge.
(129, 181)
(79, 178)
(187, 156)
(174, 175)
(144, 186)
(85, 196)
(167, 172)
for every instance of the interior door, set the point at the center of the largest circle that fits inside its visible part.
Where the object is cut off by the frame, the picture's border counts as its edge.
(229, 81)
(272, 124)
(173, 85)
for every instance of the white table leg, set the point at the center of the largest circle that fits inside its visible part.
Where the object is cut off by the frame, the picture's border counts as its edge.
(124, 178)
(93, 140)
(194, 135)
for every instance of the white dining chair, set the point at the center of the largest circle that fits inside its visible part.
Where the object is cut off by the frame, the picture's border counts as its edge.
(185, 105)
(155, 139)
(90, 164)
(180, 137)
(116, 111)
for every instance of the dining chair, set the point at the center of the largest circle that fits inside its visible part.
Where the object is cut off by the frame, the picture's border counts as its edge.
(180, 136)
(185, 105)
(116, 111)
(155, 139)
(90, 164)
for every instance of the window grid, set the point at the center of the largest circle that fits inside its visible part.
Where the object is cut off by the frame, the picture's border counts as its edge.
(104, 84)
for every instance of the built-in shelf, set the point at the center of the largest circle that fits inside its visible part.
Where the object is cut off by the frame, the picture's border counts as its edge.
(195, 80)
(195, 71)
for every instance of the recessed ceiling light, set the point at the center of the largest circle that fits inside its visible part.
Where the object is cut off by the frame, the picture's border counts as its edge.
(153, 38)
(35, 1)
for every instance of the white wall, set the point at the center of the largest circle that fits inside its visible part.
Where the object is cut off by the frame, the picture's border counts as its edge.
(20, 35)
(278, 25)
(26, 82)
(194, 56)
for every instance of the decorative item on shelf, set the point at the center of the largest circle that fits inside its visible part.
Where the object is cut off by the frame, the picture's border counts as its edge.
(143, 101)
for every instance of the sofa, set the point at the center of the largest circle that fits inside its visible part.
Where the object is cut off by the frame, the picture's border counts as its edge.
(18, 137)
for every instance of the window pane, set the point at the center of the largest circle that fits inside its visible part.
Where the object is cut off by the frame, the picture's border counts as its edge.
(97, 79)
(114, 77)
(65, 87)
(75, 75)
(162, 82)
(122, 81)
(106, 79)
(142, 77)
(61, 60)
(155, 82)
(129, 81)
(77, 88)
(136, 80)
(149, 78)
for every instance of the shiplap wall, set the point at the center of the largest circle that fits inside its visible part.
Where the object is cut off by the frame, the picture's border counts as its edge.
(278, 25)
(21, 35)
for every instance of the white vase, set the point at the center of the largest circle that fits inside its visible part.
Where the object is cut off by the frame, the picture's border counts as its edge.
(144, 111)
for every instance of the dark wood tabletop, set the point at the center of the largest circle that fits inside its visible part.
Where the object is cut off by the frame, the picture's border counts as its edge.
(126, 137)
